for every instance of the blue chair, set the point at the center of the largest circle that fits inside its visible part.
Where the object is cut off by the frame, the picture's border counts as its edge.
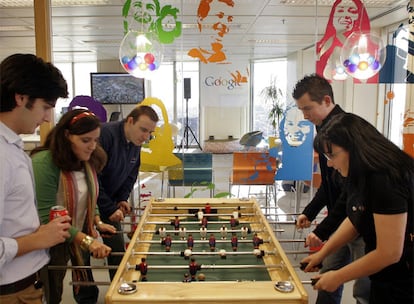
(196, 168)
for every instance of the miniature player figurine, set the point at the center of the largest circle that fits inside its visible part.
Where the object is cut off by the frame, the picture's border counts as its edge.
(194, 267)
(233, 222)
(162, 232)
(200, 214)
(204, 221)
(203, 232)
(257, 241)
(212, 242)
(207, 208)
(187, 278)
(143, 268)
(244, 232)
(190, 242)
(234, 241)
(167, 242)
(236, 213)
(183, 233)
(223, 232)
(176, 223)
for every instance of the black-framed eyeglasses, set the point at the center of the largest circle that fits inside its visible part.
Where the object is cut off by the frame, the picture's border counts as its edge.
(331, 156)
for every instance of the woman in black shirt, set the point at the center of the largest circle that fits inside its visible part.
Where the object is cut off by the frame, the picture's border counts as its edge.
(379, 197)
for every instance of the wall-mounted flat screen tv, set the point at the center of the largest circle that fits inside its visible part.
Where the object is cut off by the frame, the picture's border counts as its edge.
(117, 88)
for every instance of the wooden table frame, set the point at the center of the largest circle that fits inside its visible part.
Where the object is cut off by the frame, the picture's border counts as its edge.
(209, 291)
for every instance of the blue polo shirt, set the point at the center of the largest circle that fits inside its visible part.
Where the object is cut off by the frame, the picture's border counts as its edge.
(117, 179)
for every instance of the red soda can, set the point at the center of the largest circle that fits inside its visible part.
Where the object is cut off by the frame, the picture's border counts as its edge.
(57, 211)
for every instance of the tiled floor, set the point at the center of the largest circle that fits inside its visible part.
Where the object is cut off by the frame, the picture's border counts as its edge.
(151, 185)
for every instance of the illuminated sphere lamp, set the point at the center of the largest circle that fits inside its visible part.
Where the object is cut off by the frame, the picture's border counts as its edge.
(140, 53)
(334, 69)
(363, 55)
(337, 72)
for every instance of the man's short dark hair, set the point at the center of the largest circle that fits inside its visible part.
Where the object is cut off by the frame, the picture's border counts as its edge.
(30, 75)
(316, 86)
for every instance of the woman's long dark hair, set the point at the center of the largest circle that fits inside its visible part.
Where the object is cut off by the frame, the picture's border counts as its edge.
(77, 123)
(369, 151)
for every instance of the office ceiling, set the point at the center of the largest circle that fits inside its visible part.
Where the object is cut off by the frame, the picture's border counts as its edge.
(260, 29)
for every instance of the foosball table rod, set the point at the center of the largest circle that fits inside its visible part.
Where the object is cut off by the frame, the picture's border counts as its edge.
(196, 241)
(195, 215)
(188, 252)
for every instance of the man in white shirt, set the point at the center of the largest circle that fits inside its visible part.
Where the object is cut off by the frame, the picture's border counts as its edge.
(29, 90)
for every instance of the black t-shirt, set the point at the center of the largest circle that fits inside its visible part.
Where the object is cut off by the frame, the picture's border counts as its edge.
(381, 196)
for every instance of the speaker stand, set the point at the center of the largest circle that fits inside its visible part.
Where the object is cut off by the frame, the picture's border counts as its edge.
(187, 130)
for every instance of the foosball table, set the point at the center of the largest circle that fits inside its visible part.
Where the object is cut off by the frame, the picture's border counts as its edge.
(205, 251)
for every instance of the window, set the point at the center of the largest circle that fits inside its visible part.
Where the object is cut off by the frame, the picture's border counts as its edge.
(264, 73)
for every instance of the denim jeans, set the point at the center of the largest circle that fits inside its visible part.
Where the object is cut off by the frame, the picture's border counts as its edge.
(339, 259)
(53, 279)
(117, 243)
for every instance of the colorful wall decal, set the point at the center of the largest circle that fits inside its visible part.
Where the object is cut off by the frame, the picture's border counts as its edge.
(296, 134)
(162, 20)
(220, 25)
(159, 152)
(239, 78)
(346, 17)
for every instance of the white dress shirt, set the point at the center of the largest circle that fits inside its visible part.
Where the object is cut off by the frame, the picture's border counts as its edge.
(18, 212)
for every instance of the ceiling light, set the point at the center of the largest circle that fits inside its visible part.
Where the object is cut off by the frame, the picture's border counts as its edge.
(15, 28)
(29, 3)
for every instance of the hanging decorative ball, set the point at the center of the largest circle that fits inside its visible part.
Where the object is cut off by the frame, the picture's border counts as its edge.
(363, 55)
(140, 53)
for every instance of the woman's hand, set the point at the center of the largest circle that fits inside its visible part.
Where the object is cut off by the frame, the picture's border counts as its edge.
(99, 250)
(328, 281)
(302, 222)
(105, 230)
(313, 262)
(312, 240)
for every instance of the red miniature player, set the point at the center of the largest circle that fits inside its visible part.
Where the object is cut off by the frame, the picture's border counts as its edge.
(190, 242)
(204, 221)
(207, 208)
(212, 242)
(194, 267)
(257, 241)
(234, 242)
(233, 222)
(143, 268)
(167, 242)
(176, 223)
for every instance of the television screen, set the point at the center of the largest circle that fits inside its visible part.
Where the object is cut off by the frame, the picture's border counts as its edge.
(117, 88)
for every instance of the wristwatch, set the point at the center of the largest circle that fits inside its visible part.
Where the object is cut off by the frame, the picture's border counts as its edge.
(86, 242)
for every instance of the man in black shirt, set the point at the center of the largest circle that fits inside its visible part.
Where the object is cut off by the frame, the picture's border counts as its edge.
(314, 97)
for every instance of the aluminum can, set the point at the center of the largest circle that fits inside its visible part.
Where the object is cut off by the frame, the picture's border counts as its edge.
(57, 211)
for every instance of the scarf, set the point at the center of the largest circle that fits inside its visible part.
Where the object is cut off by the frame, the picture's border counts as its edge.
(70, 190)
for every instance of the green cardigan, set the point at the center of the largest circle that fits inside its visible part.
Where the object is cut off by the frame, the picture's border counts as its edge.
(47, 177)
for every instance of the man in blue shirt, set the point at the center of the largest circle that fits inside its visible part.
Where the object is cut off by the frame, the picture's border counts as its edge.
(122, 142)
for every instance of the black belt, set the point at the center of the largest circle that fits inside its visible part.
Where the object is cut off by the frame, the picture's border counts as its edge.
(19, 285)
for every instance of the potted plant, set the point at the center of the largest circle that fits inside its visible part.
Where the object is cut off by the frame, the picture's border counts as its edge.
(273, 95)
